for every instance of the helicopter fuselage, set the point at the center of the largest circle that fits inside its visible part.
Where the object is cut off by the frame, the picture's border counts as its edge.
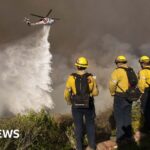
(43, 21)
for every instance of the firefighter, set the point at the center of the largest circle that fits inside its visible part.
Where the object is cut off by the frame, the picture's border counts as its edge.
(80, 89)
(118, 85)
(144, 86)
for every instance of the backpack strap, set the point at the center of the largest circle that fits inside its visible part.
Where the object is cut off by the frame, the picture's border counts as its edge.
(148, 84)
(117, 83)
(88, 74)
(120, 88)
(132, 77)
(124, 68)
(77, 75)
(77, 78)
(121, 68)
(146, 68)
(127, 72)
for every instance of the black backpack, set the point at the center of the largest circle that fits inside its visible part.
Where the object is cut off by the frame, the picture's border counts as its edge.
(82, 97)
(133, 93)
(132, 78)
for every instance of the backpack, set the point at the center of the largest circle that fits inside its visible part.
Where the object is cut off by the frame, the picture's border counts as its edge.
(82, 97)
(132, 78)
(133, 93)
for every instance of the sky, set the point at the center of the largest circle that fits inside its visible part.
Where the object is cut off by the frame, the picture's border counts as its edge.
(127, 20)
(97, 29)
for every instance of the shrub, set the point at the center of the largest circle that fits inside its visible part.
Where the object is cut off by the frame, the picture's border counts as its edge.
(37, 131)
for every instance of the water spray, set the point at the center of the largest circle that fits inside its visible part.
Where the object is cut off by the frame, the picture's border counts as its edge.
(25, 66)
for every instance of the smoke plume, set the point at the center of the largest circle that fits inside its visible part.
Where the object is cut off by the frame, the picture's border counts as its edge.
(25, 67)
(101, 63)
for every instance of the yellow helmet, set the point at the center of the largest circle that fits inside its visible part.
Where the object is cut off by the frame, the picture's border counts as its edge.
(82, 62)
(121, 59)
(144, 59)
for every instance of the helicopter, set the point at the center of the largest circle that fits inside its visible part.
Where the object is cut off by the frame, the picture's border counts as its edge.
(43, 20)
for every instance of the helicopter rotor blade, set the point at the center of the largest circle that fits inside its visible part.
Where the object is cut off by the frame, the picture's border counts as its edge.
(37, 15)
(49, 13)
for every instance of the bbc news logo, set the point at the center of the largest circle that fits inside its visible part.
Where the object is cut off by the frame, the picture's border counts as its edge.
(8, 134)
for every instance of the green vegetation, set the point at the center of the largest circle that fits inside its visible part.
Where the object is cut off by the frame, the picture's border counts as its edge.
(38, 131)
(44, 131)
(136, 116)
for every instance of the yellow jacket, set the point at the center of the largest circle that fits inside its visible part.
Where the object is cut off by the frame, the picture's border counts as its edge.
(143, 79)
(70, 87)
(118, 77)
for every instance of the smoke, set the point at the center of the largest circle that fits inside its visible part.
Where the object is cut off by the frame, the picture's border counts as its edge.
(101, 63)
(98, 29)
(24, 81)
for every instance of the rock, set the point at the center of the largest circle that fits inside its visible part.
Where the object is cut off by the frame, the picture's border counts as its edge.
(107, 145)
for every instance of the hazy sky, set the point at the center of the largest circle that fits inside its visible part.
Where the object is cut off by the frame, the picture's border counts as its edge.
(125, 19)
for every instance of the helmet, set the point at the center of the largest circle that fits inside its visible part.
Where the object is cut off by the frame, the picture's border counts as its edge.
(82, 62)
(121, 59)
(144, 59)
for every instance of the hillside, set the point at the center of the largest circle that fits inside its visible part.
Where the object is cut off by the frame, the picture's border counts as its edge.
(44, 131)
